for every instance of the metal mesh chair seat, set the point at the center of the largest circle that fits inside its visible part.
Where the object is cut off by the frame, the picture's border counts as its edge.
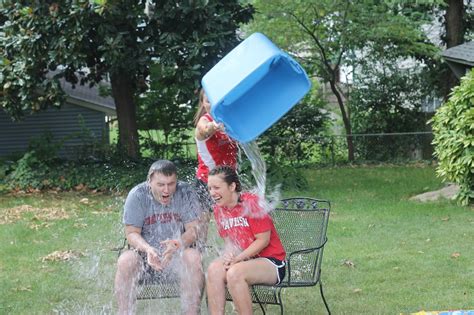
(159, 290)
(150, 287)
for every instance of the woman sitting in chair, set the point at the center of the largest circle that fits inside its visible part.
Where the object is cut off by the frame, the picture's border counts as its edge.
(253, 251)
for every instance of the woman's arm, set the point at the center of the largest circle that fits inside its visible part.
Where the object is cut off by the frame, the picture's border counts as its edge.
(261, 241)
(206, 128)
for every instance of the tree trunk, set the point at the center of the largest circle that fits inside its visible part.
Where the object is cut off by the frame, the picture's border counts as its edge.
(123, 94)
(454, 23)
(346, 121)
(454, 33)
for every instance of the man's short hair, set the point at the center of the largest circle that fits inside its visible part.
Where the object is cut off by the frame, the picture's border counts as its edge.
(164, 167)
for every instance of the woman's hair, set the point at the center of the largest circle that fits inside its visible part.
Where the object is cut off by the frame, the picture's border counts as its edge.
(201, 110)
(229, 175)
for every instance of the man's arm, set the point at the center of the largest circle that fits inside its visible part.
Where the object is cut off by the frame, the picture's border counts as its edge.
(188, 238)
(190, 234)
(135, 239)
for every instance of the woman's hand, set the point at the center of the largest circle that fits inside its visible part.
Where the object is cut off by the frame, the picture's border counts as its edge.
(217, 126)
(229, 260)
(212, 127)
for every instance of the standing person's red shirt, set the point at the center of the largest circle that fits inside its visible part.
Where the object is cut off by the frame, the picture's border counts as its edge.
(216, 150)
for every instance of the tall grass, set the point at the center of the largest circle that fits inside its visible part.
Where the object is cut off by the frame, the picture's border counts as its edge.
(385, 254)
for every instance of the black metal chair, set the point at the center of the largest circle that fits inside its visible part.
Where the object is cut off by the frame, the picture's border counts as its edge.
(302, 224)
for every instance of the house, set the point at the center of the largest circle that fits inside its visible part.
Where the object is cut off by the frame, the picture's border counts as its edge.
(84, 112)
(460, 58)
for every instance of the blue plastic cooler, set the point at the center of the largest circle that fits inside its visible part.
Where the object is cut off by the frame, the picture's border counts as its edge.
(253, 86)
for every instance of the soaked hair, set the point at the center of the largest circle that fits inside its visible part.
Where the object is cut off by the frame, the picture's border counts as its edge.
(229, 175)
(201, 110)
(164, 167)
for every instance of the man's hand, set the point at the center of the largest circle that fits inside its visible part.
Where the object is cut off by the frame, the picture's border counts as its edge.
(172, 246)
(153, 259)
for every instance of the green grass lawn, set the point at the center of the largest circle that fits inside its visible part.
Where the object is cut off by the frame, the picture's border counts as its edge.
(385, 254)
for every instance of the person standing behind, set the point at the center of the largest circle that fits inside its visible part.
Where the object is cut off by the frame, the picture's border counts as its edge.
(214, 148)
(253, 252)
(161, 218)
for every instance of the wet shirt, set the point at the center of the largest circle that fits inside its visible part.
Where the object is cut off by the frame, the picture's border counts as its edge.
(160, 222)
(242, 222)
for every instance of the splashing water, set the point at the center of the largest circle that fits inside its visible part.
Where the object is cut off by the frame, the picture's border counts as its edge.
(259, 168)
(98, 266)
(259, 172)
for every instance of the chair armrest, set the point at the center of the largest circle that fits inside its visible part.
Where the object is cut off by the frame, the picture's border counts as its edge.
(120, 249)
(293, 271)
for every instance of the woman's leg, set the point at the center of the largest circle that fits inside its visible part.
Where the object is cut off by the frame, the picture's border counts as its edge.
(241, 275)
(215, 287)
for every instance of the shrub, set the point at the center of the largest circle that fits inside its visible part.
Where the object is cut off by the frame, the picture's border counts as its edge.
(29, 173)
(453, 128)
(113, 175)
(294, 137)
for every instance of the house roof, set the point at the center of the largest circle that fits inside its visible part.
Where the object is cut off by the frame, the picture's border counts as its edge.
(460, 58)
(463, 54)
(83, 95)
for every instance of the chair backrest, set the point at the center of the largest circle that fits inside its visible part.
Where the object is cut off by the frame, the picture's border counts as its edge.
(301, 224)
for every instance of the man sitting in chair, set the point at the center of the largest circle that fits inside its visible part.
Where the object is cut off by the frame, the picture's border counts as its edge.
(161, 218)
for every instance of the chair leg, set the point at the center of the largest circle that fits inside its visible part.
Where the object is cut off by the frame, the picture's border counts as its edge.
(280, 302)
(322, 295)
(258, 300)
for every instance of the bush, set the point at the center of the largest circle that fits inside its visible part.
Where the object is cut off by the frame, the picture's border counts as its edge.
(30, 174)
(453, 128)
(294, 137)
(278, 176)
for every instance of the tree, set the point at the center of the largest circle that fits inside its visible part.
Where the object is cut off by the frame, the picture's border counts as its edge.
(455, 22)
(387, 99)
(291, 139)
(165, 113)
(453, 128)
(458, 21)
(327, 34)
(87, 41)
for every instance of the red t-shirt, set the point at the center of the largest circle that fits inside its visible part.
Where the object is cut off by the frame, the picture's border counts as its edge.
(246, 219)
(216, 150)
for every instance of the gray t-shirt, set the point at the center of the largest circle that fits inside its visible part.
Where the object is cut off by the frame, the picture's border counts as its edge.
(160, 222)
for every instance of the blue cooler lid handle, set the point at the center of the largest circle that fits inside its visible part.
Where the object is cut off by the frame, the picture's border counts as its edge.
(295, 65)
(274, 61)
